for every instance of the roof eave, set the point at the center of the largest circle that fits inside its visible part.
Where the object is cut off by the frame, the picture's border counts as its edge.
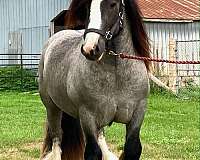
(168, 20)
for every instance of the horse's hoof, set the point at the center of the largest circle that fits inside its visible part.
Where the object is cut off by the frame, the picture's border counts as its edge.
(110, 156)
(53, 156)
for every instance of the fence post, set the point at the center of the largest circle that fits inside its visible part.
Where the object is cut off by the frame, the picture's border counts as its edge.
(177, 74)
(21, 69)
(172, 67)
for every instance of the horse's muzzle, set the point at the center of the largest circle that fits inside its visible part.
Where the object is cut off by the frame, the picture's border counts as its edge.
(93, 55)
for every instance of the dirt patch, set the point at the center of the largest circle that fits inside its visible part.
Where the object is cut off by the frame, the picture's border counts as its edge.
(113, 148)
(33, 145)
(29, 151)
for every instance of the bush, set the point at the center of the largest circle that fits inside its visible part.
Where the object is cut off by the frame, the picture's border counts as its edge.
(15, 78)
(190, 92)
(157, 90)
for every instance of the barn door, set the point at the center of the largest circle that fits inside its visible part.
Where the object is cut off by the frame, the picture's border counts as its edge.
(14, 47)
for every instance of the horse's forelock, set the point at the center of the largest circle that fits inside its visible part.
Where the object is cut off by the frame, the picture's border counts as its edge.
(77, 13)
(139, 35)
(95, 14)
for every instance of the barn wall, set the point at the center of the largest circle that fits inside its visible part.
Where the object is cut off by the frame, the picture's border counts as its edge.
(160, 33)
(31, 19)
(179, 31)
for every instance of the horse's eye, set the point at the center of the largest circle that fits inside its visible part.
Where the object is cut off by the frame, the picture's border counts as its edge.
(112, 5)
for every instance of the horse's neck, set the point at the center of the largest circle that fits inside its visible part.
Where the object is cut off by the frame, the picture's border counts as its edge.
(123, 42)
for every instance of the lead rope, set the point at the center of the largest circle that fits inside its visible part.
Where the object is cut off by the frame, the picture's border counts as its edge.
(126, 56)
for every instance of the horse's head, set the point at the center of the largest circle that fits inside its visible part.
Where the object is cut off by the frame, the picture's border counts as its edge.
(105, 22)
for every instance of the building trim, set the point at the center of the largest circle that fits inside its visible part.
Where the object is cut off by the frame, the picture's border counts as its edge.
(167, 20)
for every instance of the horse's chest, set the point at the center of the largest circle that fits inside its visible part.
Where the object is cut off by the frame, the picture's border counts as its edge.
(112, 93)
(124, 109)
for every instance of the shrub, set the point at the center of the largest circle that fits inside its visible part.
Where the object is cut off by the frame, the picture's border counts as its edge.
(16, 78)
(190, 92)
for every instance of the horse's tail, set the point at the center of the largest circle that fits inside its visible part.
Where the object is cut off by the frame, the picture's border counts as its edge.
(72, 145)
(72, 139)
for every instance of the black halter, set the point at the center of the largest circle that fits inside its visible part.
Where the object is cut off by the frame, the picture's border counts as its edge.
(114, 30)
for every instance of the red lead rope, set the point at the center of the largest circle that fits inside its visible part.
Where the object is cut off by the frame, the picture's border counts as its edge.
(125, 56)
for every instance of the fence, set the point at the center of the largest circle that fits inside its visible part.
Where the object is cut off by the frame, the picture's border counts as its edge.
(177, 76)
(188, 50)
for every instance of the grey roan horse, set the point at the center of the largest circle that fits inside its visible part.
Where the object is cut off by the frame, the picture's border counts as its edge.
(84, 88)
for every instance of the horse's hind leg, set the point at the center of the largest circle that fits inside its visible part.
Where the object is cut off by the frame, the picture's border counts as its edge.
(92, 150)
(51, 147)
(133, 147)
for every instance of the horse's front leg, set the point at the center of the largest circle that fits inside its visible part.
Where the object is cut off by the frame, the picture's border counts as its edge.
(55, 153)
(51, 147)
(133, 147)
(107, 154)
(90, 129)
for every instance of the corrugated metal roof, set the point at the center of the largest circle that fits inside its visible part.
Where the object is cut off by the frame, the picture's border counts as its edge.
(170, 9)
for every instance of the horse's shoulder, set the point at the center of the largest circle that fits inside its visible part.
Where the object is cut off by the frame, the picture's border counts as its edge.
(65, 38)
(67, 35)
(59, 43)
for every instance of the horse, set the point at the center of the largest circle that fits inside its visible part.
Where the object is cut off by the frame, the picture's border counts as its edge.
(85, 86)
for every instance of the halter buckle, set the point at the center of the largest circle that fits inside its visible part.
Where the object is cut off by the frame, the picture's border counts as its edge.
(112, 53)
(108, 35)
(123, 3)
(121, 15)
(100, 58)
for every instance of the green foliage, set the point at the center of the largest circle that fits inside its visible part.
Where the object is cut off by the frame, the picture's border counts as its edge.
(154, 88)
(16, 78)
(157, 90)
(191, 91)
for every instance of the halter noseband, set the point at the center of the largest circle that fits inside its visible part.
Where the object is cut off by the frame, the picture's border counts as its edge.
(113, 32)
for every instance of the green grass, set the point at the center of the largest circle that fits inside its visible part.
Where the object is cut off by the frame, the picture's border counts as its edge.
(22, 118)
(170, 129)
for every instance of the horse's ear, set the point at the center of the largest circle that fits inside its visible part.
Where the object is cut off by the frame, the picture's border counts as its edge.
(77, 15)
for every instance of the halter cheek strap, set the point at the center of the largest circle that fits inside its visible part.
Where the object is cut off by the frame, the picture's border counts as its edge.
(94, 30)
(114, 31)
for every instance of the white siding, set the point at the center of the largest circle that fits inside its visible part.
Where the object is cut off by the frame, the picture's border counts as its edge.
(160, 33)
(189, 49)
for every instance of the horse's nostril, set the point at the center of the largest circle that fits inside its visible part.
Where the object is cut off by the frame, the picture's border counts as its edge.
(92, 52)
(82, 50)
(97, 48)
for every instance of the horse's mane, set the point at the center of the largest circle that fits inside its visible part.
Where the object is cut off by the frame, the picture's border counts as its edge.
(78, 16)
(139, 35)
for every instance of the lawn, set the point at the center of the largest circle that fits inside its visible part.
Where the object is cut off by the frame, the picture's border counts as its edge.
(170, 129)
